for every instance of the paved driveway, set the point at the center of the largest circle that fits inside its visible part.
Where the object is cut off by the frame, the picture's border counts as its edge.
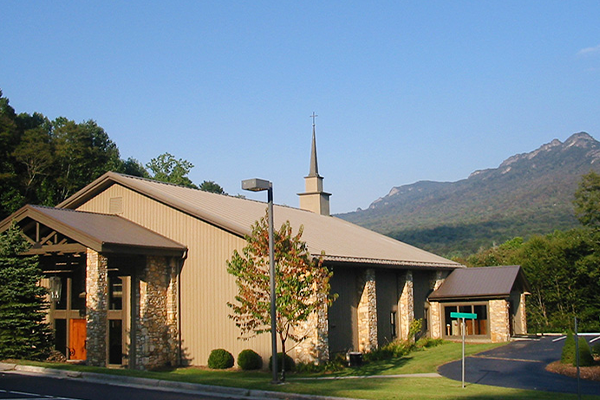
(520, 364)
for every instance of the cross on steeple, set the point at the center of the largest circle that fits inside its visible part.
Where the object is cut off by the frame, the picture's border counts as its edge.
(314, 116)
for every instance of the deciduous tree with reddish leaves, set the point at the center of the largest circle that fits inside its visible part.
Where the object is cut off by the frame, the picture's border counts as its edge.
(301, 280)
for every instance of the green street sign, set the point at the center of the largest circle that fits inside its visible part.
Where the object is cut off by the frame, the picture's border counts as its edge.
(463, 315)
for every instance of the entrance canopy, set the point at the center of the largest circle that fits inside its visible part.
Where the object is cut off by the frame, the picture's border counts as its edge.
(481, 283)
(56, 230)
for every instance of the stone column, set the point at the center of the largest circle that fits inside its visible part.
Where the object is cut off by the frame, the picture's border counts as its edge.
(156, 321)
(96, 299)
(499, 320)
(523, 315)
(367, 311)
(406, 304)
(315, 347)
(435, 308)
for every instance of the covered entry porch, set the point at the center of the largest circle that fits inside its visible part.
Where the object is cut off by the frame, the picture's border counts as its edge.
(113, 286)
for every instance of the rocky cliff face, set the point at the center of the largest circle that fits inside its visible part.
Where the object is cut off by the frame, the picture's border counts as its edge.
(535, 188)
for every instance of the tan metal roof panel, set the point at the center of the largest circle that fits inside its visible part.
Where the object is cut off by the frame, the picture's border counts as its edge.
(480, 282)
(339, 239)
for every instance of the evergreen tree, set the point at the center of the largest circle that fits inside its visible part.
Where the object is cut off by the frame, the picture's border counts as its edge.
(23, 332)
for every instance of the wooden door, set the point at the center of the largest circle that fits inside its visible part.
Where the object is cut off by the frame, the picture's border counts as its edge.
(77, 337)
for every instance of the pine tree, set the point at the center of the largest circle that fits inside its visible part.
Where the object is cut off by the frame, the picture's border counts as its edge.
(23, 332)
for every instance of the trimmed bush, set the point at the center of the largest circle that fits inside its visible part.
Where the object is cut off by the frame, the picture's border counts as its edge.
(585, 355)
(596, 349)
(290, 365)
(220, 359)
(568, 351)
(249, 360)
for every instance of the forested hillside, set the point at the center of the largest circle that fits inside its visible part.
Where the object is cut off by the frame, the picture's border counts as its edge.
(527, 194)
(44, 162)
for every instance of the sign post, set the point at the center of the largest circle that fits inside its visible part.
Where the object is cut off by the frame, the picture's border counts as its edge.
(463, 316)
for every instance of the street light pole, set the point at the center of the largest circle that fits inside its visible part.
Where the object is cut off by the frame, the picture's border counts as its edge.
(257, 185)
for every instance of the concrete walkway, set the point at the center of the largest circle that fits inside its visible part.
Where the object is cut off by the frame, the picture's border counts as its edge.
(520, 364)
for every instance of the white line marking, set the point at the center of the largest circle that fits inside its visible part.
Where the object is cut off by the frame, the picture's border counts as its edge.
(559, 338)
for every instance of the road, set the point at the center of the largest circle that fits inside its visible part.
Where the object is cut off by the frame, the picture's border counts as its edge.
(16, 386)
(521, 365)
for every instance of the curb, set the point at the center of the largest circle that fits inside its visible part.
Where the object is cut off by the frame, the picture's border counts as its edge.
(192, 388)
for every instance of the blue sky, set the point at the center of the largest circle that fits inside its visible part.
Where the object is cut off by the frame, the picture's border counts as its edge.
(404, 91)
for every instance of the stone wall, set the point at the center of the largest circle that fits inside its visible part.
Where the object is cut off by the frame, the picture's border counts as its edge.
(367, 311)
(315, 347)
(499, 320)
(156, 319)
(435, 308)
(522, 315)
(406, 304)
(96, 308)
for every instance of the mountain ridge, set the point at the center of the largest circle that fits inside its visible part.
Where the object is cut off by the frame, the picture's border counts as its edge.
(528, 193)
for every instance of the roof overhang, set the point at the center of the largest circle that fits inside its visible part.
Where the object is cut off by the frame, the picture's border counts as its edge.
(52, 230)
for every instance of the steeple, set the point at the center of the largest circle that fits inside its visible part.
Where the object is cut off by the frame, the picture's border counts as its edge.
(314, 167)
(314, 198)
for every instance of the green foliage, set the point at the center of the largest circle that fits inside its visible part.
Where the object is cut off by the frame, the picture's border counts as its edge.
(220, 359)
(212, 187)
(587, 199)
(166, 168)
(337, 363)
(302, 283)
(563, 270)
(596, 349)
(290, 364)
(585, 354)
(249, 360)
(568, 351)
(23, 332)
(425, 343)
(415, 328)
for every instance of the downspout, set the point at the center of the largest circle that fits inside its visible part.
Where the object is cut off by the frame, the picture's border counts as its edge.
(179, 339)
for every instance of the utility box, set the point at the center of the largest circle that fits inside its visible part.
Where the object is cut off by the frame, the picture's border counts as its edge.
(355, 359)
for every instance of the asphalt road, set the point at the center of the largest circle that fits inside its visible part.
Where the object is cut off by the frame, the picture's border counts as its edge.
(521, 365)
(17, 387)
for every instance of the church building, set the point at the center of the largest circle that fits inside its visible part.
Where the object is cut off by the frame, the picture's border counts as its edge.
(137, 276)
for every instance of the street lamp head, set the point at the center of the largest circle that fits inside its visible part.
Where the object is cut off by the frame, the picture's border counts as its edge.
(256, 185)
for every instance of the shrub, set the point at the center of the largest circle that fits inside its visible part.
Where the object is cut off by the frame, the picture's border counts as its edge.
(249, 360)
(585, 355)
(290, 365)
(337, 363)
(425, 343)
(220, 359)
(568, 351)
(596, 349)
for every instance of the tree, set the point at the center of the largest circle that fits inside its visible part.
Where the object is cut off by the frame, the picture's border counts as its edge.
(166, 168)
(302, 283)
(133, 167)
(587, 200)
(212, 187)
(23, 332)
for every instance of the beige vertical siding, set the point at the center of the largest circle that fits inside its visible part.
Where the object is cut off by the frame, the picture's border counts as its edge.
(206, 287)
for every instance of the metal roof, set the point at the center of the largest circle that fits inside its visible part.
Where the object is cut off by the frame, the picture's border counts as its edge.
(483, 282)
(100, 232)
(341, 241)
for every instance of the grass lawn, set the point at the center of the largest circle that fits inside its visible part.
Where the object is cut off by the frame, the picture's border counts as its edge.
(368, 388)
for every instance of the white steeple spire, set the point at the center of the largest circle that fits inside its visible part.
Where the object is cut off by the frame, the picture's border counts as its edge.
(314, 198)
